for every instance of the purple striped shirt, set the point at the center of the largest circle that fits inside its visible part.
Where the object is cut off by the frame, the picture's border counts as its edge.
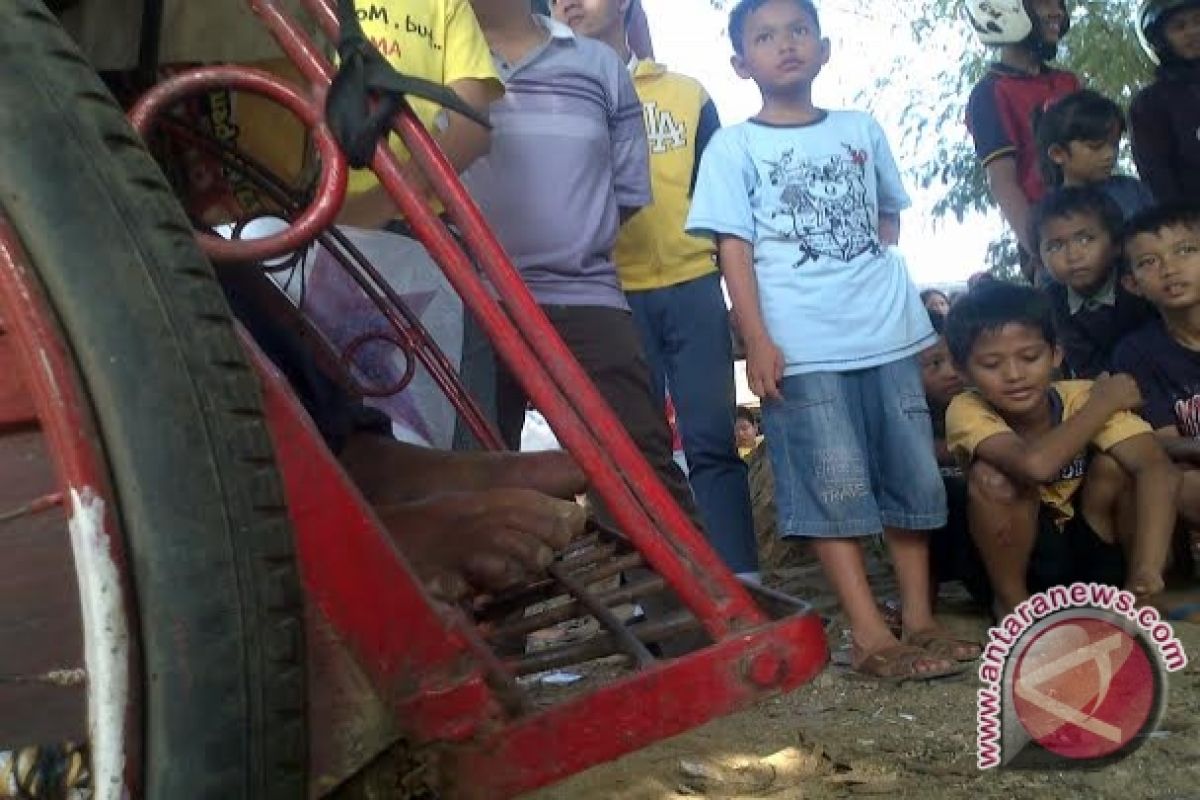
(568, 151)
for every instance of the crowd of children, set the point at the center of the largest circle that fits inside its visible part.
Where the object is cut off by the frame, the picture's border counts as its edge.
(993, 437)
(985, 439)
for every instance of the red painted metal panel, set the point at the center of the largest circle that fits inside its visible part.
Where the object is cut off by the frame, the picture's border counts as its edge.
(647, 707)
(74, 444)
(17, 409)
(412, 649)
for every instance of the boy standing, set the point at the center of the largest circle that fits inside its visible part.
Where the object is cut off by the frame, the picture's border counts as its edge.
(438, 40)
(672, 284)
(802, 203)
(1065, 484)
(1163, 253)
(1078, 234)
(1000, 111)
(1165, 115)
(568, 162)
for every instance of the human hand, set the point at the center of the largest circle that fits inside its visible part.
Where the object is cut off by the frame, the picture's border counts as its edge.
(764, 367)
(1116, 393)
(482, 541)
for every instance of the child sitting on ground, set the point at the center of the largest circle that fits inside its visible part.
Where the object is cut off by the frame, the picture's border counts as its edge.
(952, 555)
(1065, 484)
(936, 301)
(745, 432)
(942, 383)
(1165, 116)
(1078, 137)
(803, 203)
(1078, 233)
(1162, 249)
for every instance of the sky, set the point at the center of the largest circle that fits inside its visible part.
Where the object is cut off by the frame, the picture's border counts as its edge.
(689, 36)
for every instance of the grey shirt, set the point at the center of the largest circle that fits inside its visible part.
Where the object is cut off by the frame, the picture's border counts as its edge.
(568, 152)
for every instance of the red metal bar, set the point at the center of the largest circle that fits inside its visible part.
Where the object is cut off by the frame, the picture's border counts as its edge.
(422, 344)
(331, 191)
(417, 341)
(429, 665)
(64, 414)
(424, 659)
(647, 707)
(537, 355)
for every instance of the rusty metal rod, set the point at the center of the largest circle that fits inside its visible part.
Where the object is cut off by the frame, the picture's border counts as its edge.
(589, 557)
(506, 604)
(626, 641)
(602, 645)
(631, 561)
(566, 611)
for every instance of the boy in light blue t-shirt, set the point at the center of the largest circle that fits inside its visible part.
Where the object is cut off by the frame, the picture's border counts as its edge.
(804, 204)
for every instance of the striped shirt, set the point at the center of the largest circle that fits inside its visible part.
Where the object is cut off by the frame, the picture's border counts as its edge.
(568, 152)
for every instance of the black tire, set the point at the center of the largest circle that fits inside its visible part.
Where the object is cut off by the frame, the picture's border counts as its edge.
(179, 412)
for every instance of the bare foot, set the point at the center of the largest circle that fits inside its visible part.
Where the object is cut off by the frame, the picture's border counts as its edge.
(481, 541)
(1145, 585)
(390, 472)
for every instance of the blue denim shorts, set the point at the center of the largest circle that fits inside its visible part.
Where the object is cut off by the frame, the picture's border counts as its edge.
(853, 453)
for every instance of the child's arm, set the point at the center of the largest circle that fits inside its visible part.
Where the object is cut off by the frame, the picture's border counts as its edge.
(889, 229)
(1156, 484)
(942, 451)
(462, 140)
(1006, 191)
(630, 147)
(1041, 459)
(764, 361)
(1182, 449)
(890, 193)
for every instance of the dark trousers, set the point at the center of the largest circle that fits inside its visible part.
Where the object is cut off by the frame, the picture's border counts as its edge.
(605, 342)
(685, 334)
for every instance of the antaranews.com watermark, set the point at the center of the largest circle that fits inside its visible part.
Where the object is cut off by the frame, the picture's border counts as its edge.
(1074, 673)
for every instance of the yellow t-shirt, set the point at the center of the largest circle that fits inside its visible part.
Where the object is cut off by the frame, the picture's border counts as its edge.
(438, 40)
(970, 420)
(653, 250)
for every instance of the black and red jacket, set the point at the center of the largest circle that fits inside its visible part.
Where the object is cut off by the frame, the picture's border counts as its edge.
(1000, 117)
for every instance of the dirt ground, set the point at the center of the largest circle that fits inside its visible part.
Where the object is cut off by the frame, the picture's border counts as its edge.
(842, 737)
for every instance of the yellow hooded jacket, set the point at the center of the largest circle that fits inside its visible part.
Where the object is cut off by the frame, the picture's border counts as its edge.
(653, 251)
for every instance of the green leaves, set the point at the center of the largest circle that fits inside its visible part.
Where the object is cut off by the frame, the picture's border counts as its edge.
(935, 148)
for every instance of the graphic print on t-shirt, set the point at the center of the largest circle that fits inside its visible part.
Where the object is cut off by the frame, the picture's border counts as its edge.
(828, 204)
(1187, 417)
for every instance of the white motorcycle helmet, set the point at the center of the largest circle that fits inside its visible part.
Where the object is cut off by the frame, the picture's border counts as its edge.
(999, 22)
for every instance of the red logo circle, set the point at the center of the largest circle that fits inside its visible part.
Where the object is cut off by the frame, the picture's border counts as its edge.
(1084, 688)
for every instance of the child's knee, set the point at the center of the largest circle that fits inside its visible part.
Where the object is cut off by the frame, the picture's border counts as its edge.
(1189, 496)
(986, 484)
(1107, 471)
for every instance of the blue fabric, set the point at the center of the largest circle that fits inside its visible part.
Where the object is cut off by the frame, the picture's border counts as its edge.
(852, 452)
(1130, 194)
(684, 331)
(808, 198)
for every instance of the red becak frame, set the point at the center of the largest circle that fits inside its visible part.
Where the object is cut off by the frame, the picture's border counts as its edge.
(429, 662)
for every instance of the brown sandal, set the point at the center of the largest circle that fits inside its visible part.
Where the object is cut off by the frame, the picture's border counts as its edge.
(943, 644)
(898, 663)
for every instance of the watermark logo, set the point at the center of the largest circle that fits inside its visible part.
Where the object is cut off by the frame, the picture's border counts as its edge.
(1075, 674)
